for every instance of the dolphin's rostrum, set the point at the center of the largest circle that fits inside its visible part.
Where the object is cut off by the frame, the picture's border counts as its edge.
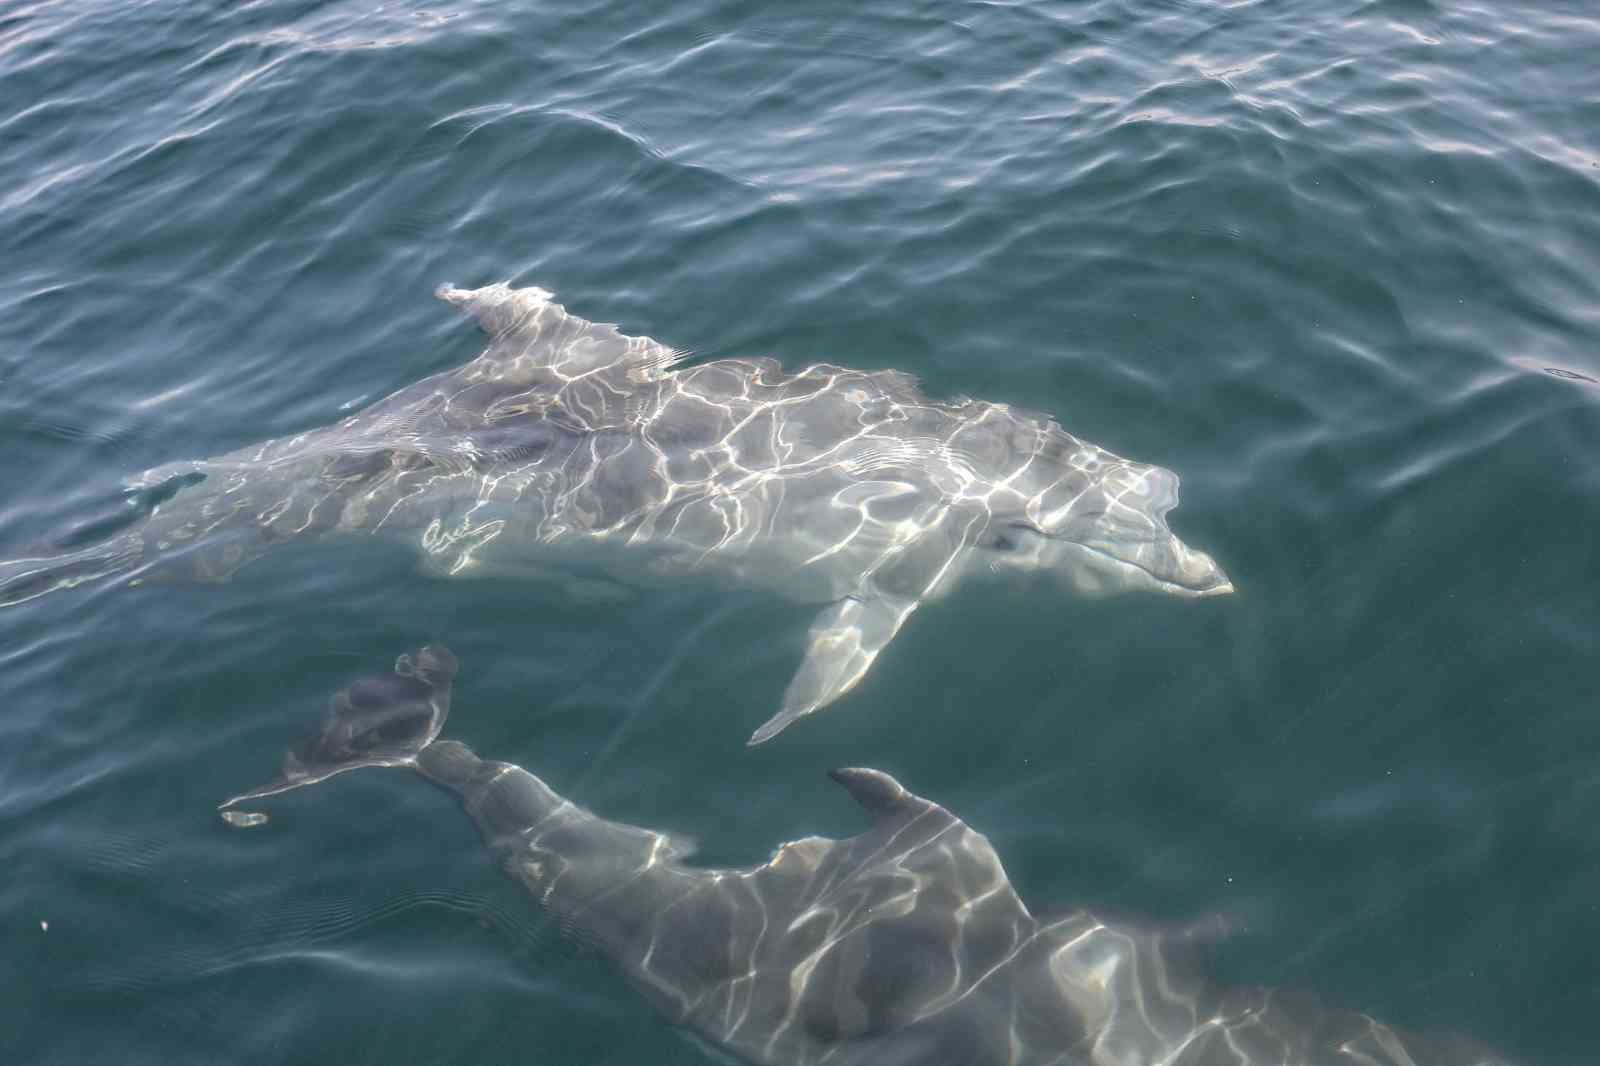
(567, 444)
(904, 945)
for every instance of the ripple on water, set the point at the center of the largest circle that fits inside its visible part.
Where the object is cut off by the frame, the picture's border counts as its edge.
(1334, 263)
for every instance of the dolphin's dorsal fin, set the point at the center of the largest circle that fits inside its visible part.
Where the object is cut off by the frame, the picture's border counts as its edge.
(528, 330)
(880, 795)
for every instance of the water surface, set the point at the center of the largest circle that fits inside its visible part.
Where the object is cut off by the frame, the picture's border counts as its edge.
(1334, 263)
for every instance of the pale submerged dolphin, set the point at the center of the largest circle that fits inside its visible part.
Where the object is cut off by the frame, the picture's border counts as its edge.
(567, 443)
(904, 945)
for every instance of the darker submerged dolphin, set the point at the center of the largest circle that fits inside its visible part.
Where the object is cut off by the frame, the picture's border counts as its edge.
(567, 448)
(903, 945)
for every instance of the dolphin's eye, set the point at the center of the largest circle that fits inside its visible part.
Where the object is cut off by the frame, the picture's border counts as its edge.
(1011, 536)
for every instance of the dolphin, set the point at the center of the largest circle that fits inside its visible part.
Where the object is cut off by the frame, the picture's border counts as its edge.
(906, 944)
(568, 445)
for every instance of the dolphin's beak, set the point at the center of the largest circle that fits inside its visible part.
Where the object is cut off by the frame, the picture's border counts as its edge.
(1166, 565)
(1195, 573)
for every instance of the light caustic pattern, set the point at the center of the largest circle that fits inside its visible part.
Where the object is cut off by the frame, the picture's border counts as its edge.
(566, 438)
(731, 455)
(905, 944)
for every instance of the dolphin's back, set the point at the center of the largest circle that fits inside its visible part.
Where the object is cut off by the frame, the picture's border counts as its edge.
(564, 428)
(567, 445)
(905, 945)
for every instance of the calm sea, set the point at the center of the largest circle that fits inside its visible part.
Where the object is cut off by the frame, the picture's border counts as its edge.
(1337, 264)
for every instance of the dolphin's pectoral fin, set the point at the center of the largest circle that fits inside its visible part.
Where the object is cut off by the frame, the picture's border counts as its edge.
(844, 640)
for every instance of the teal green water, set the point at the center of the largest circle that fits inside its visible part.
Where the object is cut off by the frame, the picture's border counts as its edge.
(1336, 264)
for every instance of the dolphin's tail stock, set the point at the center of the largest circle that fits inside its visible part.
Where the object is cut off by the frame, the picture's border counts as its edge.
(116, 542)
(395, 720)
(382, 721)
(27, 578)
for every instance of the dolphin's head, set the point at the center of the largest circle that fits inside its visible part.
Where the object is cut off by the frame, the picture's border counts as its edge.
(1059, 505)
(1105, 564)
(1104, 535)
